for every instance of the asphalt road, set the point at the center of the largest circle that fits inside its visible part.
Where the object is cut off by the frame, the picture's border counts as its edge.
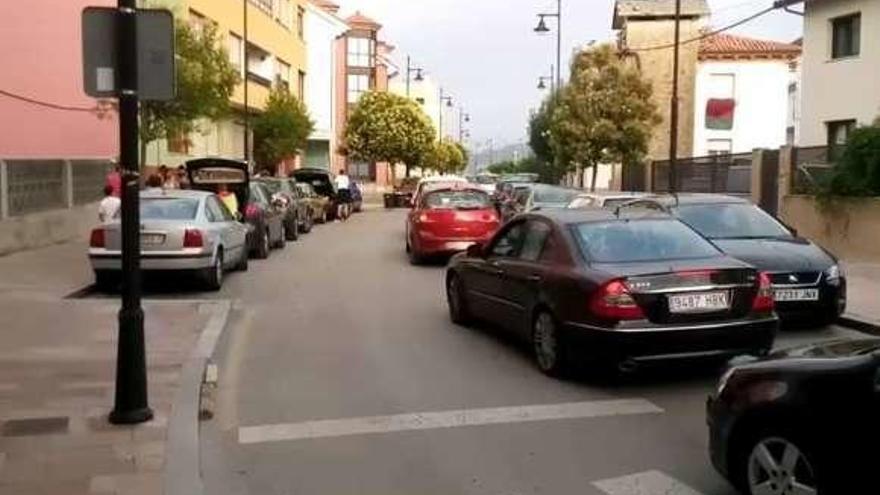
(339, 326)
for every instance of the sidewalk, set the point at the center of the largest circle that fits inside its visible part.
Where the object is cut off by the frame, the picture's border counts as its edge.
(863, 292)
(57, 368)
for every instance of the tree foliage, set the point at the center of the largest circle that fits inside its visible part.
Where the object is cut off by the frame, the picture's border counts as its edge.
(384, 127)
(445, 157)
(205, 82)
(283, 128)
(605, 113)
(544, 162)
(857, 172)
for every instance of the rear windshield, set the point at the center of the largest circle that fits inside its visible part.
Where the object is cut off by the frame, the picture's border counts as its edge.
(554, 195)
(459, 200)
(731, 221)
(641, 240)
(169, 208)
(274, 186)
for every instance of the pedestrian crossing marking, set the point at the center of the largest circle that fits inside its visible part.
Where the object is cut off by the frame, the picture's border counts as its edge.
(646, 483)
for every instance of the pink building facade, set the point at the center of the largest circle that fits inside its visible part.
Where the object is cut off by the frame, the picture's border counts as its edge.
(42, 60)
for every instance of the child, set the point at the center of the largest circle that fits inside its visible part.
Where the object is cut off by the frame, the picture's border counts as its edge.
(109, 206)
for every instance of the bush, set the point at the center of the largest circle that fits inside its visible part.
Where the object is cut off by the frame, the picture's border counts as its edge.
(857, 173)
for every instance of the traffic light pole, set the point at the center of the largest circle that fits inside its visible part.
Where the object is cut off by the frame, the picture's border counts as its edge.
(130, 402)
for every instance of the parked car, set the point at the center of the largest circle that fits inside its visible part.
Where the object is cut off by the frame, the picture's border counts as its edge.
(435, 182)
(297, 217)
(801, 421)
(604, 199)
(357, 197)
(612, 289)
(448, 220)
(512, 199)
(402, 194)
(321, 181)
(181, 230)
(486, 182)
(267, 216)
(543, 196)
(318, 205)
(808, 282)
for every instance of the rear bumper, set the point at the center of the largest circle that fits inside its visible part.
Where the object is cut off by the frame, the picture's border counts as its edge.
(682, 342)
(446, 245)
(196, 260)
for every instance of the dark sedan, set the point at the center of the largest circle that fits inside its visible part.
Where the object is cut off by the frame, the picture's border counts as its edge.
(621, 289)
(321, 181)
(801, 421)
(297, 214)
(268, 220)
(808, 282)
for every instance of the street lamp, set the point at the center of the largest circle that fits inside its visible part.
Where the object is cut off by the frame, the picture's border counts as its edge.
(448, 100)
(673, 113)
(409, 70)
(542, 29)
(542, 81)
(462, 118)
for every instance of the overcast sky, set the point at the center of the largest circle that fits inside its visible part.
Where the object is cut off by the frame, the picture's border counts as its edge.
(485, 53)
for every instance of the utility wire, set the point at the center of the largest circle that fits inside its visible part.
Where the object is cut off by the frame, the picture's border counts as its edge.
(706, 34)
(47, 104)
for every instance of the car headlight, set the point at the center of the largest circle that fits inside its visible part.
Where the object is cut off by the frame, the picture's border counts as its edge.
(833, 274)
(722, 382)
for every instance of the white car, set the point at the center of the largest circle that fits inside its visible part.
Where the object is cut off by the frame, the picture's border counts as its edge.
(438, 181)
(181, 230)
(609, 199)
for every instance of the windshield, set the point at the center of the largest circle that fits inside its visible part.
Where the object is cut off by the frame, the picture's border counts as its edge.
(169, 208)
(549, 195)
(459, 200)
(731, 221)
(274, 186)
(627, 241)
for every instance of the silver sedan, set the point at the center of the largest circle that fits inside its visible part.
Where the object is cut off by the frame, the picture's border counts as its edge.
(181, 230)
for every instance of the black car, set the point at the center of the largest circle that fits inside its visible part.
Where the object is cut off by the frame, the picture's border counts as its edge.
(800, 421)
(808, 282)
(267, 216)
(610, 289)
(322, 182)
(297, 217)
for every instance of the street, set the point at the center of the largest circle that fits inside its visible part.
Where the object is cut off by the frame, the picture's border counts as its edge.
(339, 326)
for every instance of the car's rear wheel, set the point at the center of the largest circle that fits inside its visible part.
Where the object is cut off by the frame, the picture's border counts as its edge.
(778, 464)
(550, 353)
(323, 218)
(106, 280)
(291, 231)
(455, 297)
(242, 264)
(263, 244)
(308, 223)
(213, 275)
(415, 258)
(279, 244)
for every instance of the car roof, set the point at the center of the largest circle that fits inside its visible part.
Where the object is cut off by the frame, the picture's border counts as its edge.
(612, 194)
(696, 199)
(563, 216)
(443, 178)
(174, 193)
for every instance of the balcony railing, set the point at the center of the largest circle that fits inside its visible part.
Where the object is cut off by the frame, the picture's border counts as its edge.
(257, 78)
(264, 5)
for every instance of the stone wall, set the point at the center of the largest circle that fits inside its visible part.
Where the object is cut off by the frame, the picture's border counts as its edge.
(849, 228)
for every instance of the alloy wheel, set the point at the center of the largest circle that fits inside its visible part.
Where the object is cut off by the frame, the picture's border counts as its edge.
(218, 269)
(545, 342)
(777, 466)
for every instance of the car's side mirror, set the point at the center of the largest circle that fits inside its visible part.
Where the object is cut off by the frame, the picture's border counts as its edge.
(475, 251)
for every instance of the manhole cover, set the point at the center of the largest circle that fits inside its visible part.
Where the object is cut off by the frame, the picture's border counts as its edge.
(35, 426)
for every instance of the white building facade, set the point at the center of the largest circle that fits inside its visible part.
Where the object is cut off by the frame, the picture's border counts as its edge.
(322, 28)
(841, 69)
(742, 99)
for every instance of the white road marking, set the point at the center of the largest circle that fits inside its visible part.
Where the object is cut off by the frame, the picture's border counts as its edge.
(442, 419)
(647, 483)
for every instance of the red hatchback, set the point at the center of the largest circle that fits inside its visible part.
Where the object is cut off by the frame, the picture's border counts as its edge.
(447, 220)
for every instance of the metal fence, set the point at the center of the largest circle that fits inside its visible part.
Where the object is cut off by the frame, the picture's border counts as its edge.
(812, 166)
(730, 174)
(32, 186)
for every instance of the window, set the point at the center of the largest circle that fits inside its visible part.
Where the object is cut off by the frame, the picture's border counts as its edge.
(358, 84)
(508, 245)
(236, 51)
(301, 85)
(282, 74)
(178, 143)
(731, 221)
(169, 208)
(267, 6)
(215, 211)
(360, 52)
(301, 22)
(198, 22)
(641, 240)
(284, 14)
(718, 147)
(846, 36)
(533, 244)
(838, 133)
(722, 86)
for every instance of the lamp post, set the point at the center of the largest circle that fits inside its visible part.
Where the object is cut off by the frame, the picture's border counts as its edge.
(542, 81)
(448, 100)
(409, 70)
(462, 118)
(542, 29)
(247, 117)
(673, 111)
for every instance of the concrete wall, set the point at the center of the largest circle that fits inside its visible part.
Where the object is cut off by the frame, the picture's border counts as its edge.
(761, 94)
(839, 89)
(47, 228)
(849, 229)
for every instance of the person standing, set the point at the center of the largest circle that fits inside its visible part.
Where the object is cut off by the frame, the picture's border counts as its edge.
(108, 208)
(114, 180)
(229, 198)
(343, 194)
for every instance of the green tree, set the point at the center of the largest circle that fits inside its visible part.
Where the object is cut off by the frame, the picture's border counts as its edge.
(283, 128)
(545, 163)
(384, 127)
(444, 158)
(605, 113)
(857, 172)
(465, 154)
(205, 82)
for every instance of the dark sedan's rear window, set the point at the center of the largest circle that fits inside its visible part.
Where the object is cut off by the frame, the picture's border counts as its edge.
(169, 208)
(460, 200)
(625, 241)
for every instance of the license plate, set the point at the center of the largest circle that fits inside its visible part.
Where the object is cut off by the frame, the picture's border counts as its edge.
(700, 302)
(152, 239)
(459, 245)
(783, 295)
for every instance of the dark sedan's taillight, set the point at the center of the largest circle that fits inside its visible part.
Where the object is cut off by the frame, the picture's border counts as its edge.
(613, 301)
(252, 210)
(193, 238)
(97, 240)
(763, 301)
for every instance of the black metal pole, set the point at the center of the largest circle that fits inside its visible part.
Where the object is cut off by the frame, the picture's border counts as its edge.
(673, 111)
(247, 116)
(558, 43)
(440, 118)
(407, 75)
(130, 402)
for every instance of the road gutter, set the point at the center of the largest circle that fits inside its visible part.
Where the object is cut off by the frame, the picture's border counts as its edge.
(860, 324)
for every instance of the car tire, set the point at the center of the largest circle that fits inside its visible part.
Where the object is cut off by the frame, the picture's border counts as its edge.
(263, 245)
(458, 309)
(308, 224)
(242, 264)
(279, 244)
(415, 258)
(323, 217)
(551, 354)
(106, 280)
(748, 470)
(291, 232)
(213, 275)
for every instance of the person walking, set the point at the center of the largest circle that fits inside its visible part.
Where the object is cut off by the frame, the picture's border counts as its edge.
(108, 208)
(343, 194)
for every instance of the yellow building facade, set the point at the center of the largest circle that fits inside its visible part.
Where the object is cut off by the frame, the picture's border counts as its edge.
(274, 53)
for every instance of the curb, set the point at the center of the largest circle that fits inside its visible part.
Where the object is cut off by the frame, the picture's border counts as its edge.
(860, 324)
(182, 464)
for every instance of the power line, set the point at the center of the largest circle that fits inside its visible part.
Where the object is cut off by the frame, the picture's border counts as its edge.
(708, 33)
(46, 104)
